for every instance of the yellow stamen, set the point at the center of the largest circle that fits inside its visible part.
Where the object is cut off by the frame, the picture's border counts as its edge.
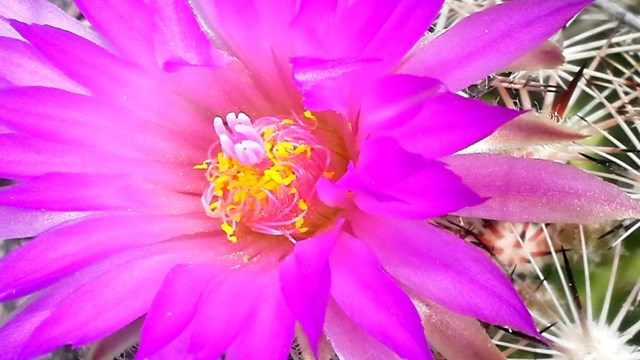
(284, 148)
(229, 230)
(309, 115)
(268, 132)
(254, 193)
(304, 148)
(223, 162)
(298, 225)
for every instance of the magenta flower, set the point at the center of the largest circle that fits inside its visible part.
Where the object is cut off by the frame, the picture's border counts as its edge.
(229, 174)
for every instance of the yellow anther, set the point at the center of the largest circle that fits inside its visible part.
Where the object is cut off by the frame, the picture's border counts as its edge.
(328, 174)
(220, 184)
(302, 149)
(240, 196)
(270, 185)
(274, 175)
(289, 179)
(283, 149)
(298, 225)
(268, 132)
(228, 229)
(309, 115)
(268, 146)
(223, 162)
(242, 193)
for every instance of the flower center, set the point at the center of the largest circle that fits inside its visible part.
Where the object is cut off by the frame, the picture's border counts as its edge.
(262, 174)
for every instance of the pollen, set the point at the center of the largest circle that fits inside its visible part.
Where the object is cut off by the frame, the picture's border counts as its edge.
(309, 115)
(262, 175)
(299, 227)
(228, 229)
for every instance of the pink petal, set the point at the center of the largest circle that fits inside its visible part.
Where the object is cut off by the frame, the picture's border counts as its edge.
(383, 28)
(69, 118)
(45, 13)
(176, 349)
(532, 190)
(394, 100)
(405, 185)
(333, 84)
(449, 123)
(372, 299)
(105, 305)
(22, 223)
(24, 66)
(331, 194)
(383, 162)
(68, 248)
(126, 27)
(230, 93)
(545, 56)
(350, 341)
(4, 84)
(305, 278)
(23, 158)
(528, 130)
(145, 92)
(17, 331)
(89, 193)
(228, 320)
(425, 118)
(443, 268)
(178, 38)
(7, 31)
(486, 41)
(235, 25)
(311, 25)
(92, 63)
(226, 306)
(269, 332)
(455, 336)
(174, 306)
(364, 28)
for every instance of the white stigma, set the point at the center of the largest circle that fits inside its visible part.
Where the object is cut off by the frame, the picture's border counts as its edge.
(239, 139)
